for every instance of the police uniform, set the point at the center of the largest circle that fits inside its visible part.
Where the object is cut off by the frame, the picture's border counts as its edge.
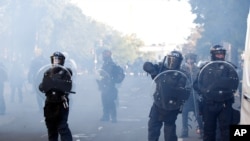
(56, 85)
(169, 97)
(108, 89)
(217, 82)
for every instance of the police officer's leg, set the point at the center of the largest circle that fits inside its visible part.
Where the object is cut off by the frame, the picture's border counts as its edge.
(110, 109)
(210, 121)
(224, 122)
(184, 132)
(51, 121)
(154, 125)
(198, 117)
(113, 111)
(112, 105)
(200, 125)
(52, 129)
(63, 127)
(170, 126)
(105, 104)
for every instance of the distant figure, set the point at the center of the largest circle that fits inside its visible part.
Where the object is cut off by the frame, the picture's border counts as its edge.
(3, 78)
(217, 81)
(36, 64)
(16, 79)
(191, 105)
(111, 75)
(56, 85)
(169, 96)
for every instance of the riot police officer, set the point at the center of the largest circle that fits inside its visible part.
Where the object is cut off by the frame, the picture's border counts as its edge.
(217, 81)
(56, 85)
(191, 105)
(107, 86)
(169, 96)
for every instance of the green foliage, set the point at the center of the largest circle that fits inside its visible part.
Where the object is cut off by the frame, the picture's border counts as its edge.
(223, 21)
(58, 25)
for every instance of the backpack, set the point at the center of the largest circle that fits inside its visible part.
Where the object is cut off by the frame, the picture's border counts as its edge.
(118, 74)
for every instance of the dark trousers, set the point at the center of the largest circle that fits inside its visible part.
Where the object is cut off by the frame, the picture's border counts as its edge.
(158, 117)
(109, 106)
(217, 113)
(56, 117)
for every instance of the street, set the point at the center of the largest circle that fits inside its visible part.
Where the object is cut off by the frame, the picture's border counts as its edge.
(23, 121)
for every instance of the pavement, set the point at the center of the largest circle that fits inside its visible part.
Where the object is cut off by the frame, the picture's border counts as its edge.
(24, 122)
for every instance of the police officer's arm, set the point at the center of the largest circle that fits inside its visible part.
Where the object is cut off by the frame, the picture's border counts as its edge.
(151, 69)
(43, 86)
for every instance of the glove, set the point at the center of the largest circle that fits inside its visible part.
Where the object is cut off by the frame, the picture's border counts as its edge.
(149, 68)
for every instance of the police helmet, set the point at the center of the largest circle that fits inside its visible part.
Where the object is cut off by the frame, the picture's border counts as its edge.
(174, 60)
(191, 56)
(217, 50)
(57, 58)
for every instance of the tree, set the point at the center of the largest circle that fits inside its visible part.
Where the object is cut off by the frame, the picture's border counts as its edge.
(57, 25)
(222, 21)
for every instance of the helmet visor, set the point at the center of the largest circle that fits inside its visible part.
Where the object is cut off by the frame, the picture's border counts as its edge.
(56, 60)
(219, 52)
(173, 62)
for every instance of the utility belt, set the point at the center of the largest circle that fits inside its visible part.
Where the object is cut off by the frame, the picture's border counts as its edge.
(218, 96)
(169, 104)
(225, 102)
(55, 97)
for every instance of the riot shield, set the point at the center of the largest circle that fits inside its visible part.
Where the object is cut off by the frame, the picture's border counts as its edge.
(53, 82)
(171, 84)
(218, 80)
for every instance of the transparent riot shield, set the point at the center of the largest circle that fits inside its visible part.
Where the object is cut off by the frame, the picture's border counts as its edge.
(170, 78)
(40, 76)
(218, 80)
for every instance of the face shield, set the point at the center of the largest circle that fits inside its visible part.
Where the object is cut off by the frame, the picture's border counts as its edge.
(173, 62)
(56, 60)
(219, 55)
